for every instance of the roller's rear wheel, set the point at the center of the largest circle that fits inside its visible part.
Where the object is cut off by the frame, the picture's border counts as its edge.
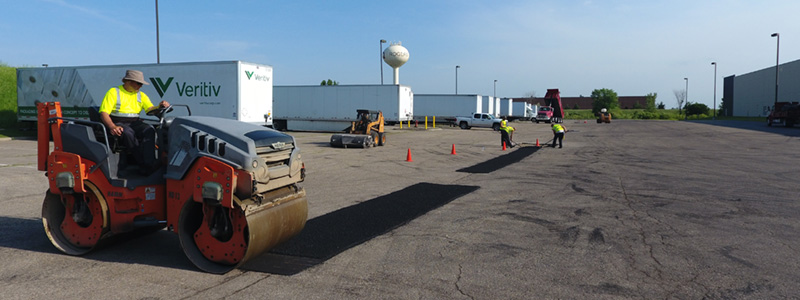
(75, 224)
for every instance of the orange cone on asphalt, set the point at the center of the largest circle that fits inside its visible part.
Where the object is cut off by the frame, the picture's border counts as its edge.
(453, 152)
(504, 146)
(537, 143)
(408, 156)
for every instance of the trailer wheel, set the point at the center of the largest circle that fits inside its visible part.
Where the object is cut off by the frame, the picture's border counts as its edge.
(463, 125)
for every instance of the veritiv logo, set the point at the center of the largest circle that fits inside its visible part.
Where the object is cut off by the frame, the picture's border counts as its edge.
(160, 86)
(252, 75)
(203, 89)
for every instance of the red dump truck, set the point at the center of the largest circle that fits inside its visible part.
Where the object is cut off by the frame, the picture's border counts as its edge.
(784, 113)
(551, 111)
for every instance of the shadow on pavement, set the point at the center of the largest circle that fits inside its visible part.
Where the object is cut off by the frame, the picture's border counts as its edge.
(500, 162)
(326, 236)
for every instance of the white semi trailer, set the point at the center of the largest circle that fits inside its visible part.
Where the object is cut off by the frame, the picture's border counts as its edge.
(521, 110)
(446, 107)
(333, 107)
(228, 89)
(488, 104)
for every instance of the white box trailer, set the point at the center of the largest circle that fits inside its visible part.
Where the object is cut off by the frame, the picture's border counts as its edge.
(488, 105)
(228, 89)
(505, 107)
(522, 110)
(333, 107)
(446, 107)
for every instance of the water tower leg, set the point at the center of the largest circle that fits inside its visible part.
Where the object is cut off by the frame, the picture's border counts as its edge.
(396, 76)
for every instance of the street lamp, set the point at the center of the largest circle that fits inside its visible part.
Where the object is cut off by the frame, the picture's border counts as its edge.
(381, 58)
(715, 91)
(686, 99)
(457, 79)
(495, 89)
(777, 55)
(158, 46)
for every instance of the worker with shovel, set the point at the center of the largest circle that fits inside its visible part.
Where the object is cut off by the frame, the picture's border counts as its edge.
(558, 135)
(506, 133)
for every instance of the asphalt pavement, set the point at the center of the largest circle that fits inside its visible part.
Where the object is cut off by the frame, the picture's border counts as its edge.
(630, 209)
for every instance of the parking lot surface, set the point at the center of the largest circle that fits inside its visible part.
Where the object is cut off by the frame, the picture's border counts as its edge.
(630, 209)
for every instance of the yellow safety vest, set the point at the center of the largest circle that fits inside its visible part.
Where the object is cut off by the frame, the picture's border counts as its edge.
(558, 128)
(120, 103)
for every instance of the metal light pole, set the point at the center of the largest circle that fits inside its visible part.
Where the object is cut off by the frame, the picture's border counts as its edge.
(381, 59)
(686, 101)
(715, 91)
(457, 79)
(158, 46)
(495, 89)
(777, 55)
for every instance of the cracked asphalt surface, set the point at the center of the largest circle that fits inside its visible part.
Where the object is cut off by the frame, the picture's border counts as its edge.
(631, 209)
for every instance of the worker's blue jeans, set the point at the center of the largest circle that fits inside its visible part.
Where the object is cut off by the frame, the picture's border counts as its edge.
(558, 136)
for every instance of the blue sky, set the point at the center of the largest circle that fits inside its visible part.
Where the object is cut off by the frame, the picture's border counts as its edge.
(632, 47)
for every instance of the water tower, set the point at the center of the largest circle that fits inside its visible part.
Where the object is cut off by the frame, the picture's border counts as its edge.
(395, 56)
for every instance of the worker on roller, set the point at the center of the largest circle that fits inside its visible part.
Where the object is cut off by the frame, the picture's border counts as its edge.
(120, 114)
(558, 135)
(506, 133)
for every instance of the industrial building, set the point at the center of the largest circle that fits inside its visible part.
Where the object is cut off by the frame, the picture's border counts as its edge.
(753, 94)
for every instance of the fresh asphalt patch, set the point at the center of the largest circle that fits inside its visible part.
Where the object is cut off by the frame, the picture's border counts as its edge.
(500, 162)
(328, 235)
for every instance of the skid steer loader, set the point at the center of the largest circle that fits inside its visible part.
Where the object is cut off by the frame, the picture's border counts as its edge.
(368, 131)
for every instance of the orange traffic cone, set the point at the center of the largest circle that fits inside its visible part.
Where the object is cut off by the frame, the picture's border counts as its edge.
(504, 146)
(453, 152)
(408, 156)
(537, 143)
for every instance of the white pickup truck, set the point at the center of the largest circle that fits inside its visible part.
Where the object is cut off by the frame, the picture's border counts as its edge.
(479, 120)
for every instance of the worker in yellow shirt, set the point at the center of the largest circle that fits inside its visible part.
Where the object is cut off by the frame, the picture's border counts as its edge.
(119, 112)
(506, 133)
(558, 135)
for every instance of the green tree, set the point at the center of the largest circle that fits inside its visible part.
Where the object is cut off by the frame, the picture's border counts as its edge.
(8, 96)
(661, 105)
(329, 82)
(604, 98)
(723, 111)
(650, 102)
(696, 109)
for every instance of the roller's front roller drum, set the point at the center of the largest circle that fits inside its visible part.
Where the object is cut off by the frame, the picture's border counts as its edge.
(77, 223)
(218, 239)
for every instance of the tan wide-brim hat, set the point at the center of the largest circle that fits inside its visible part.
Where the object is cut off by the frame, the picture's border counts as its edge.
(135, 75)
